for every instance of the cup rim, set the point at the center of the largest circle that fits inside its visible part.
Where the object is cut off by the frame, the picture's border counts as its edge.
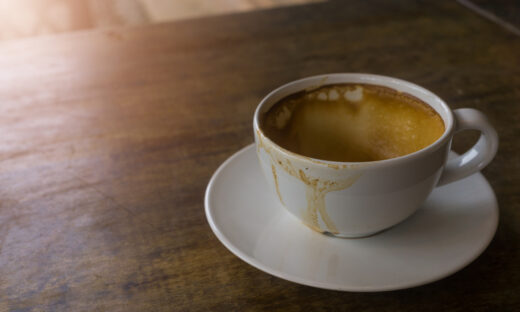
(374, 79)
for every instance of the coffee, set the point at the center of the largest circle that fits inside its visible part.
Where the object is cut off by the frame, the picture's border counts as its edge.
(352, 122)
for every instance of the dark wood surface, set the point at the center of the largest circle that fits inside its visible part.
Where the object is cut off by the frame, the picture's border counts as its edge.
(507, 10)
(108, 139)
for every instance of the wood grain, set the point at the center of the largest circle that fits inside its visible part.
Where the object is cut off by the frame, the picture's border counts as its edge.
(29, 18)
(110, 137)
(507, 10)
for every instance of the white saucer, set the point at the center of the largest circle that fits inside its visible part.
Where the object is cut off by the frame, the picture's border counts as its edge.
(454, 226)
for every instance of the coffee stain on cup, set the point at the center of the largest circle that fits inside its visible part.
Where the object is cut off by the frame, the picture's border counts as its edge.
(315, 192)
(275, 177)
(318, 85)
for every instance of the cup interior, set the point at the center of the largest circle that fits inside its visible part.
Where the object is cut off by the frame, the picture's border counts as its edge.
(397, 84)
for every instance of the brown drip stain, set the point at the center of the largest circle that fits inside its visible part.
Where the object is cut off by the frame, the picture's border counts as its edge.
(275, 176)
(318, 85)
(316, 190)
(315, 193)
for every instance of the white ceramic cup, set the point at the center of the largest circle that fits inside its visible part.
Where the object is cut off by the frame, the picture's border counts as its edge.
(356, 199)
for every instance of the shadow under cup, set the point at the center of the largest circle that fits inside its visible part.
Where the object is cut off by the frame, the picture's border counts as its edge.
(356, 199)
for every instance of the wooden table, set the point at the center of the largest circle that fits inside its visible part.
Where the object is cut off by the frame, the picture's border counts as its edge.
(108, 140)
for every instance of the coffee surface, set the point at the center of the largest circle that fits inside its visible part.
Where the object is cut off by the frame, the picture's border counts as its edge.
(352, 122)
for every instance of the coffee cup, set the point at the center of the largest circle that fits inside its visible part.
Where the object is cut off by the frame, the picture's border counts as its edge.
(361, 198)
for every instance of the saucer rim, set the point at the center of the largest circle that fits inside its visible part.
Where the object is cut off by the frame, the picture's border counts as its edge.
(327, 285)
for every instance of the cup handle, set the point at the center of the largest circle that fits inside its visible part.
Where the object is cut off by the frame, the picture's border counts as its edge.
(479, 155)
